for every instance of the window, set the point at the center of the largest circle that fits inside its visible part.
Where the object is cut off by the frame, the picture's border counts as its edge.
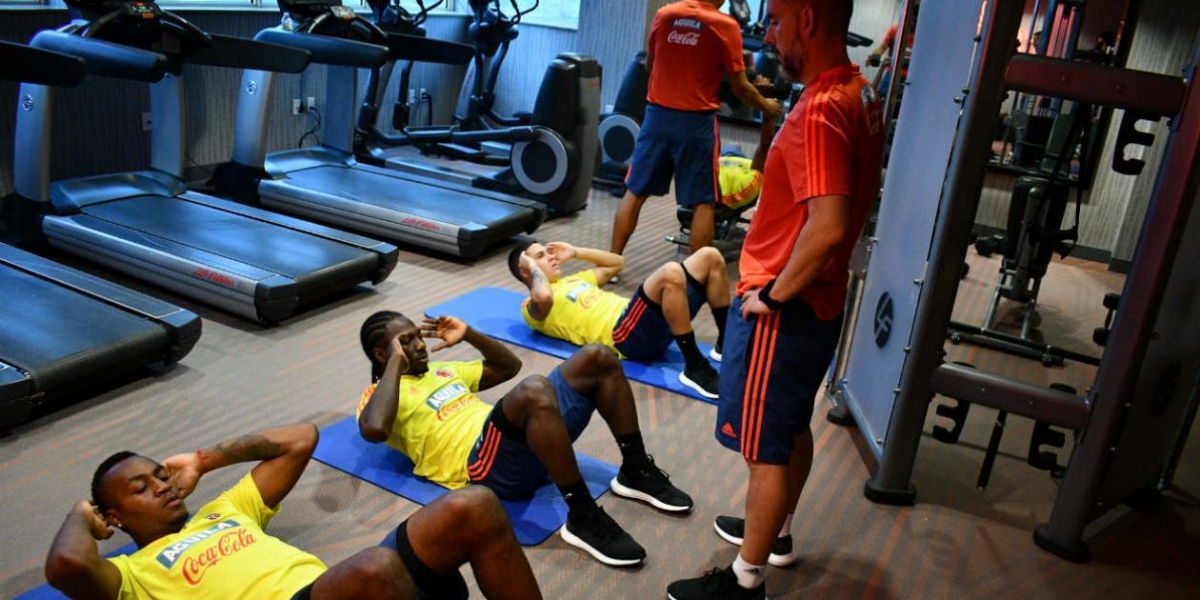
(411, 5)
(554, 13)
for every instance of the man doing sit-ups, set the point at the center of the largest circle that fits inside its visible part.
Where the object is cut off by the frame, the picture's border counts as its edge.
(575, 309)
(430, 412)
(222, 551)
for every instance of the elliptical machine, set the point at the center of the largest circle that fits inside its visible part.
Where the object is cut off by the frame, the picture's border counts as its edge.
(490, 34)
(550, 159)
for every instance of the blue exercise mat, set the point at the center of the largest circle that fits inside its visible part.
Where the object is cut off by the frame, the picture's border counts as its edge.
(533, 520)
(45, 592)
(497, 312)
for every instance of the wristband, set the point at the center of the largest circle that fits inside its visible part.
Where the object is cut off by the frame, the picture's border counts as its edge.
(764, 296)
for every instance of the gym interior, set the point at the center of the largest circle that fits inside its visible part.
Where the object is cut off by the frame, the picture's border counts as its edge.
(1010, 413)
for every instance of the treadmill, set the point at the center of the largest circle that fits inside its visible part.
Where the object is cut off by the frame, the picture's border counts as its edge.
(245, 260)
(63, 330)
(328, 184)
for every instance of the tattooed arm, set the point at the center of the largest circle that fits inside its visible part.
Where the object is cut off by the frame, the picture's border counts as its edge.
(283, 453)
(541, 297)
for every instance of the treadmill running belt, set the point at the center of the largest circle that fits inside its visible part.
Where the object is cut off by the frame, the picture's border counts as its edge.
(278, 249)
(430, 202)
(60, 336)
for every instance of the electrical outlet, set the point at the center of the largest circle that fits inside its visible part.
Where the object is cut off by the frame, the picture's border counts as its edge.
(146, 124)
(310, 103)
(295, 106)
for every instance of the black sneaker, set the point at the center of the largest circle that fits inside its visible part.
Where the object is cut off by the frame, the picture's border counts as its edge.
(733, 529)
(601, 537)
(701, 377)
(651, 485)
(715, 353)
(717, 584)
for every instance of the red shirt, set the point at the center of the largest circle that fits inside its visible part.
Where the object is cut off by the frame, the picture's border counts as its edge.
(693, 45)
(831, 144)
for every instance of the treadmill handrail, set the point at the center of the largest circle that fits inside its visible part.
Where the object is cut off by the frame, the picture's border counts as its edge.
(328, 50)
(105, 58)
(19, 62)
(241, 53)
(428, 50)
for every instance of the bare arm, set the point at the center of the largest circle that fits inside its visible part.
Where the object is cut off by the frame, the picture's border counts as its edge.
(375, 420)
(748, 94)
(608, 264)
(74, 565)
(827, 226)
(541, 297)
(499, 363)
(765, 138)
(282, 452)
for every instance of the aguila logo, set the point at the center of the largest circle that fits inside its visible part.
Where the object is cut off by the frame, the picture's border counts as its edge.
(690, 38)
(194, 567)
(444, 373)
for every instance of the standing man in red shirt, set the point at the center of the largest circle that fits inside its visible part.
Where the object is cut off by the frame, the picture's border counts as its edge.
(819, 184)
(692, 47)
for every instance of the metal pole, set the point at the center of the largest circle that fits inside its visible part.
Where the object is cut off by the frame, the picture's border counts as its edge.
(960, 199)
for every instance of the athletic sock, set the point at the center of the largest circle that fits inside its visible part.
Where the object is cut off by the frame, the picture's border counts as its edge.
(633, 450)
(749, 576)
(580, 503)
(719, 315)
(687, 345)
(786, 530)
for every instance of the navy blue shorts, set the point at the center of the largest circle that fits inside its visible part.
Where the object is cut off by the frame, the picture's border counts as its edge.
(507, 465)
(642, 333)
(430, 585)
(679, 144)
(771, 370)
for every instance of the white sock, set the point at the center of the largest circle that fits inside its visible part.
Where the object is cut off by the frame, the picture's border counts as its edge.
(786, 530)
(749, 576)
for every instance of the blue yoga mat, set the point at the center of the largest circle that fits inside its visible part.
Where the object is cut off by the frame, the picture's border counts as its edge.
(497, 312)
(533, 520)
(45, 592)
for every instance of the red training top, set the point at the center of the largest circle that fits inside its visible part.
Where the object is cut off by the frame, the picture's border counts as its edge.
(693, 45)
(831, 144)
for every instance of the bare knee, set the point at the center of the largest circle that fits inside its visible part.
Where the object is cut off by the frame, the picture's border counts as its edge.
(478, 512)
(533, 394)
(374, 573)
(672, 275)
(710, 257)
(597, 359)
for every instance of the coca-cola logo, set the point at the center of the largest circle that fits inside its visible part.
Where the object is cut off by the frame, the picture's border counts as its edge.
(194, 567)
(690, 38)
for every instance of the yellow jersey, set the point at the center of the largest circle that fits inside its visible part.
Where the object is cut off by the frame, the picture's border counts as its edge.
(438, 420)
(582, 313)
(740, 184)
(221, 553)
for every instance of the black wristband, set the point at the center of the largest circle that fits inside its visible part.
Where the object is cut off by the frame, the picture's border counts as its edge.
(764, 296)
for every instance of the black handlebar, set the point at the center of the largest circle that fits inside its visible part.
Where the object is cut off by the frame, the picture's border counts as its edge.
(106, 58)
(34, 65)
(329, 50)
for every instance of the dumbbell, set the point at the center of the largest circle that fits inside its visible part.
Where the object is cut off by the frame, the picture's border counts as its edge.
(1100, 334)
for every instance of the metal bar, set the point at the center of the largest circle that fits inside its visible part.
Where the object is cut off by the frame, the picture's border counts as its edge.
(959, 201)
(1012, 344)
(1096, 84)
(1010, 395)
(993, 448)
(1157, 250)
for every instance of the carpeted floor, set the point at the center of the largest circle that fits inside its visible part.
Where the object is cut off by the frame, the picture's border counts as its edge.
(958, 542)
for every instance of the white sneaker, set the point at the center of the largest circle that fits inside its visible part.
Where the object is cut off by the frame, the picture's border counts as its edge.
(715, 354)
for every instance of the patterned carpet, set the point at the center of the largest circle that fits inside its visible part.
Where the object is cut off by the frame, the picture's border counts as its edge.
(957, 542)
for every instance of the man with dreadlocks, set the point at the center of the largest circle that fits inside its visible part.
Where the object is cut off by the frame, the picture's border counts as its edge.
(222, 551)
(431, 413)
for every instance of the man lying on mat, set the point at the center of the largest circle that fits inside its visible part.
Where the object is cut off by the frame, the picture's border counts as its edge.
(430, 412)
(575, 309)
(222, 551)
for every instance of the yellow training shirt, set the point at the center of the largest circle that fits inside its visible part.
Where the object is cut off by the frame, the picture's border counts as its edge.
(438, 420)
(740, 184)
(582, 313)
(221, 553)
